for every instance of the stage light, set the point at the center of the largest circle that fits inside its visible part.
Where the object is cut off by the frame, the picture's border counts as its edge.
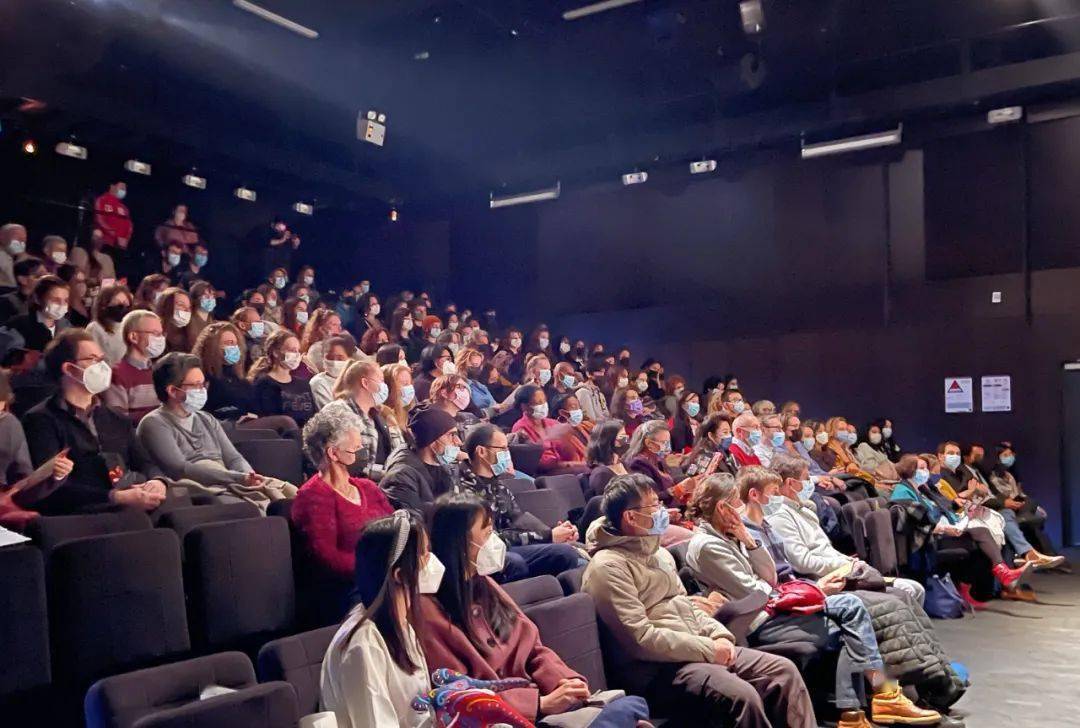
(1006, 115)
(753, 16)
(393, 214)
(136, 167)
(29, 147)
(279, 20)
(371, 127)
(635, 178)
(854, 144)
(195, 181)
(702, 167)
(304, 208)
(552, 193)
(68, 149)
(245, 194)
(594, 8)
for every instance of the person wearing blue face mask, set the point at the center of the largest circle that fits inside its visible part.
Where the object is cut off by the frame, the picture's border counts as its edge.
(536, 426)
(665, 646)
(416, 475)
(194, 269)
(574, 443)
(187, 443)
(748, 437)
(171, 258)
(772, 438)
(532, 548)
(685, 420)
(647, 455)
(713, 438)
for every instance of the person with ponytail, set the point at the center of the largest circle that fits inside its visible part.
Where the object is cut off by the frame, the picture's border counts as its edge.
(473, 627)
(374, 666)
(277, 391)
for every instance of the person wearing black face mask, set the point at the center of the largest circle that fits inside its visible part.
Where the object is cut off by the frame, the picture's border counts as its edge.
(111, 305)
(591, 394)
(607, 444)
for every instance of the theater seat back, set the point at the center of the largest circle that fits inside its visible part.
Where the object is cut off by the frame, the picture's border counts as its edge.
(272, 705)
(51, 531)
(880, 542)
(298, 661)
(24, 627)
(547, 505)
(534, 590)
(568, 626)
(182, 520)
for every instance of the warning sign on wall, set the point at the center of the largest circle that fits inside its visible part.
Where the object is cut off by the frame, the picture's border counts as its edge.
(959, 394)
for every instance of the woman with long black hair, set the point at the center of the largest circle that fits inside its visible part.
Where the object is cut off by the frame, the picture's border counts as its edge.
(374, 666)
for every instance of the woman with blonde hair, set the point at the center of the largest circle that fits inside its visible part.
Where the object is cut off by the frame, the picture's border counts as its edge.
(402, 398)
(174, 310)
(362, 390)
(277, 391)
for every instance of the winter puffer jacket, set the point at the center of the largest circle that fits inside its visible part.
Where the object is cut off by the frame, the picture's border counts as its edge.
(910, 648)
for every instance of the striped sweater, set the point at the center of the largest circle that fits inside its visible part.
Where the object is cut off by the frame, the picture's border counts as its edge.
(132, 390)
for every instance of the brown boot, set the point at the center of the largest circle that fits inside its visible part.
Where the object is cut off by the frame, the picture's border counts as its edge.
(1019, 595)
(892, 707)
(854, 719)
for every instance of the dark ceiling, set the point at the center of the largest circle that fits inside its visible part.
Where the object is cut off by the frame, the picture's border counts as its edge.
(482, 94)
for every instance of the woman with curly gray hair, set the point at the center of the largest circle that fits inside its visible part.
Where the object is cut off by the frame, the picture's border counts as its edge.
(332, 507)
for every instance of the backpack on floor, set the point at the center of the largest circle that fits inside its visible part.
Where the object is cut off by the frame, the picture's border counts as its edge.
(943, 601)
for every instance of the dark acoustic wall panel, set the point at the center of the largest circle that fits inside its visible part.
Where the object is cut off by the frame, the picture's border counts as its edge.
(973, 201)
(1054, 154)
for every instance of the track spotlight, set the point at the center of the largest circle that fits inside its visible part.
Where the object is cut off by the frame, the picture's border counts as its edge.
(635, 178)
(136, 167)
(29, 147)
(245, 194)
(703, 167)
(195, 181)
(69, 149)
(304, 208)
(393, 214)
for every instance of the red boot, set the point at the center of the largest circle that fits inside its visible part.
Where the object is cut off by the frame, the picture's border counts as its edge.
(965, 592)
(1008, 577)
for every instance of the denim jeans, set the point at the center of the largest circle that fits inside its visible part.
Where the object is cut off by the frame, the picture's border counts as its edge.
(852, 634)
(537, 559)
(1013, 532)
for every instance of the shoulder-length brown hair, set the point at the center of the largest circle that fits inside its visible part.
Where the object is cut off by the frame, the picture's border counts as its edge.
(104, 300)
(175, 336)
(208, 348)
(273, 354)
(313, 328)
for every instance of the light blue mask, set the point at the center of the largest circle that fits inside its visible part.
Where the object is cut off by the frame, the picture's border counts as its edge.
(545, 377)
(660, 521)
(777, 439)
(693, 408)
(381, 394)
(258, 329)
(195, 400)
(920, 477)
(231, 355)
(773, 505)
(1008, 460)
(200, 259)
(952, 461)
(503, 462)
(449, 454)
(575, 417)
(408, 391)
(207, 304)
(807, 490)
(753, 437)
(568, 380)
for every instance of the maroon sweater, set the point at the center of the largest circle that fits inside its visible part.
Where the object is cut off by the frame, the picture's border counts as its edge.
(331, 524)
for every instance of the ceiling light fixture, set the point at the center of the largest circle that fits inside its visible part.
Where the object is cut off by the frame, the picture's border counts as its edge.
(29, 147)
(854, 144)
(304, 208)
(69, 149)
(552, 193)
(279, 20)
(635, 178)
(194, 181)
(245, 194)
(703, 166)
(136, 167)
(587, 10)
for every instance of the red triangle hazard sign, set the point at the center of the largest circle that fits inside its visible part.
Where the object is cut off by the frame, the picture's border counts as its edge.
(955, 386)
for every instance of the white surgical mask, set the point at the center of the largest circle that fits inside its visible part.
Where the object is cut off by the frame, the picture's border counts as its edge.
(540, 411)
(436, 332)
(773, 505)
(564, 348)
(155, 346)
(308, 280)
(431, 575)
(452, 325)
(301, 317)
(334, 367)
(623, 382)
(449, 368)
(56, 311)
(173, 258)
(822, 437)
(886, 432)
(543, 342)
(59, 257)
(17, 247)
(875, 438)
(181, 318)
(195, 400)
(492, 556)
(97, 377)
(258, 328)
(641, 386)
(291, 360)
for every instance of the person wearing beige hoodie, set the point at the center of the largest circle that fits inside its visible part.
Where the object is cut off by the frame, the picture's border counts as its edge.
(666, 647)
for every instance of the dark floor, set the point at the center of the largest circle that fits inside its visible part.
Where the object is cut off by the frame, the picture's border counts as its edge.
(1024, 658)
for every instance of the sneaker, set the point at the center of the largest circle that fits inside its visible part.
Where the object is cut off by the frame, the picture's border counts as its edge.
(965, 592)
(1008, 577)
(854, 719)
(1042, 561)
(892, 707)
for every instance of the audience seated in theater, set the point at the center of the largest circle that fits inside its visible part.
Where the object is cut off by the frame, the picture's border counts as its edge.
(110, 464)
(948, 531)
(646, 455)
(469, 363)
(712, 440)
(513, 345)
(534, 549)
(368, 308)
(255, 331)
(871, 452)
(686, 420)
(375, 666)
(53, 253)
(893, 450)
(536, 427)
(607, 444)
(616, 377)
(306, 277)
(111, 305)
(590, 393)
(472, 626)
(132, 389)
(335, 354)
(79, 305)
(174, 310)
(321, 326)
(362, 390)
(390, 354)
(150, 290)
(332, 507)
(189, 444)
(725, 556)
(230, 396)
(451, 394)
(563, 380)
(540, 342)
(1006, 487)
(203, 302)
(415, 475)
(373, 339)
(798, 442)
(806, 545)
(12, 248)
(664, 645)
(26, 270)
(435, 361)
(46, 316)
(748, 436)
(401, 333)
(277, 390)
(763, 407)
(627, 405)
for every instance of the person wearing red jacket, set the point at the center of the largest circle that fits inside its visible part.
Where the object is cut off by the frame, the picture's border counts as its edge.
(112, 218)
(747, 430)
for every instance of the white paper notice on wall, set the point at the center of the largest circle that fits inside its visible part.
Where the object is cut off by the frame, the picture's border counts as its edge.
(959, 394)
(997, 393)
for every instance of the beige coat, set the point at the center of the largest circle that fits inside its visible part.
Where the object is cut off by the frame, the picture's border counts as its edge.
(642, 603)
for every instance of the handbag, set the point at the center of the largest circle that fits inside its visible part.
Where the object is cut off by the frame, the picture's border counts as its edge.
(796, 597)
(943, 601)
(864, 577)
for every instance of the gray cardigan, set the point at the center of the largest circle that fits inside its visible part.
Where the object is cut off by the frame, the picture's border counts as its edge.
(724, 565)
(204, 454)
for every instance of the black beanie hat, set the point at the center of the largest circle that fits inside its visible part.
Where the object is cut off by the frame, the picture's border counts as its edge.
(429, 424)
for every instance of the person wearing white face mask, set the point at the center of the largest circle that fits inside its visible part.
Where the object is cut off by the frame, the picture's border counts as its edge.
(451, 394)
(174, 309)
(46, 314)
(339, 351)
(54, 251)
(132, 390)
(12, 248)
(333, 506)
(537, 427)
(472, 625)
(415, 475)
(189, 444)
(871, 451)
(374, 666)
(278, 391)
(76, 421)
(436, 360)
